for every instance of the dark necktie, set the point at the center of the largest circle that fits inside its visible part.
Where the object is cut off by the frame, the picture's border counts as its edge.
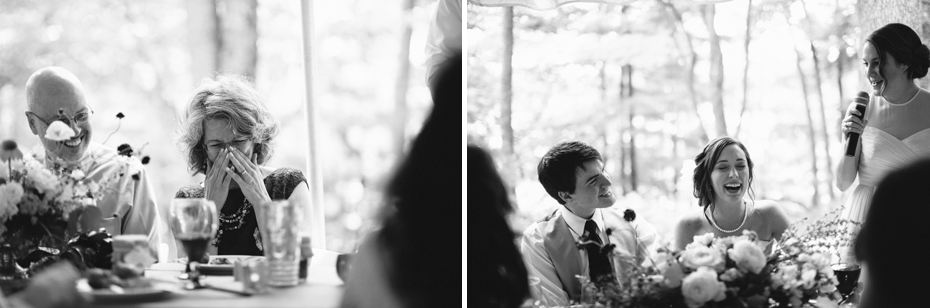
(598, 264)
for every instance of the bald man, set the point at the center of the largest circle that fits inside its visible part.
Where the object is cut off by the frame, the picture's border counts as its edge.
(55, 94)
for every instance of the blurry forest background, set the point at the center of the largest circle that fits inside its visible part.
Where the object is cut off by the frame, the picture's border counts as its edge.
(649, 82)
(144, 59)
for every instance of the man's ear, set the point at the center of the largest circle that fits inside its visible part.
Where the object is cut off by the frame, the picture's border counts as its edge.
(32, 125)
(565, 196)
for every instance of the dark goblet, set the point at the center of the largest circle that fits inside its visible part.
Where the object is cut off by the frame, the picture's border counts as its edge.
(848, 276)
(194, 222)
(344, 265)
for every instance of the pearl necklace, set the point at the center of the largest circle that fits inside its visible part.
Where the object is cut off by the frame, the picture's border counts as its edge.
(714, 222)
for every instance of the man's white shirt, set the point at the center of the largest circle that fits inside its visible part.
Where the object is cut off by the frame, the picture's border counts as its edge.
(537, 259)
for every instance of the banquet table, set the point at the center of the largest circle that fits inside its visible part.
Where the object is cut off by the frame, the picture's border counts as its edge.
(323, 288)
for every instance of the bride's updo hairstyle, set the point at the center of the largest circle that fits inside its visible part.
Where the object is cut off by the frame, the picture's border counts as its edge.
(903, 44)
(704, 165)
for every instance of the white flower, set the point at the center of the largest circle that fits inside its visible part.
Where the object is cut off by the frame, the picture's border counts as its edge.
(67, 193)
(702, 286)
(58, 131)
(10, 194)
(43, 179)
(731, 274)
(704, 239)
(748, 256)
(77, 174)
(807, 278)
(700, 256)
(821, 261)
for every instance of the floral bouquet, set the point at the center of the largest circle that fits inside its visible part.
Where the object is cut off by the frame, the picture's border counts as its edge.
(722, 272)
(47, 210)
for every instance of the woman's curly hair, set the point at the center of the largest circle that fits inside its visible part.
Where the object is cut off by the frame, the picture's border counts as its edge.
(232, 98)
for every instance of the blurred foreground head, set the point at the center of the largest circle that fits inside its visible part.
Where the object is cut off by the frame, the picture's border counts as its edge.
(55, 94)
(496, 273)
(893, 240)
(422, 230)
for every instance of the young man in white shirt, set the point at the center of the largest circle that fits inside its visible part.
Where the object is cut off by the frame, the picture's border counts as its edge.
(573, 174)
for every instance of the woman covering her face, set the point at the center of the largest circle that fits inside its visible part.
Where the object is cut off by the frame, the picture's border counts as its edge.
(722, 177)
(227, 136)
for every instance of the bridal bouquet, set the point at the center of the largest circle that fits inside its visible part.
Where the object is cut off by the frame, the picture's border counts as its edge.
(722, 272)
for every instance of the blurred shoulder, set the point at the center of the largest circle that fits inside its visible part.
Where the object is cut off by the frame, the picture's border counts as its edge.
(768, 207)
(284, 172)
(190, 191)
(691, 221)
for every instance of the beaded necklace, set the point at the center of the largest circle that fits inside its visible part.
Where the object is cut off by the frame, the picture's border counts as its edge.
(714, 222)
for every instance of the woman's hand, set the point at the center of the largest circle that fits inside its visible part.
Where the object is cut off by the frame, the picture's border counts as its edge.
(853, 122)
(249, 176)
(216, 185)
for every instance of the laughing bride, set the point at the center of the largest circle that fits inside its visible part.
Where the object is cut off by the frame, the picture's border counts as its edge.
(722, 176)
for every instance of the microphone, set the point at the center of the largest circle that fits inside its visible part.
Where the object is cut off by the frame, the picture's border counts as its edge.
(852, 139)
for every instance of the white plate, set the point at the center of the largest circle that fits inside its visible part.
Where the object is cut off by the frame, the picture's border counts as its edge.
(223, 269)
(158, 291)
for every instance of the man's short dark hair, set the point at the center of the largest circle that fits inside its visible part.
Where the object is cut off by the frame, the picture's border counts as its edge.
(558, 168)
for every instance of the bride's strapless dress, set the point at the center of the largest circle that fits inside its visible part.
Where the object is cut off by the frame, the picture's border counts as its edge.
(881, 154)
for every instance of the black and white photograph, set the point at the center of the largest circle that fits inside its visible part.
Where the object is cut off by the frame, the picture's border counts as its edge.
(697, 153)
(231, 153)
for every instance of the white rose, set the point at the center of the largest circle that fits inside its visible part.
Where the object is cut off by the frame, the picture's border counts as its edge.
(702, 286)
(748, 256)
(43, 179)
(704, 239)
(822, 262)
(807, 278)
(700, 256)
(10, 194)
(77, 174)
(58, 131)
(731, 274)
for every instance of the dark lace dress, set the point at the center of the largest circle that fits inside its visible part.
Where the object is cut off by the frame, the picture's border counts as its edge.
(238, 232)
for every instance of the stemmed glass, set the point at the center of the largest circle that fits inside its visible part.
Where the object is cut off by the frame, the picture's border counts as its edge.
(193, 222)
(847, 274)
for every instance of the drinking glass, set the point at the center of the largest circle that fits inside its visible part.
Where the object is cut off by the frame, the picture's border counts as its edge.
(194, 223)
(847, 274)
(281, 241)
(343, 265)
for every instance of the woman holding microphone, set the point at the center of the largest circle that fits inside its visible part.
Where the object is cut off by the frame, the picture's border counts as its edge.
(894, 129)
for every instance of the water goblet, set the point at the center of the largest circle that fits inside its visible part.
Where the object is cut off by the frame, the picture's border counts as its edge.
(194, 223)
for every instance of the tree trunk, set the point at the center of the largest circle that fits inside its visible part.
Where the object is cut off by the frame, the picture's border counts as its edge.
(402, 82)
(716, 71)
(507, 82)
(745, 66)
(840, 70)
(815, 200)
(823, 120)
(626, 91)
(238, 51)
(874, 14)
(692, 61)
(203, 37)
(821, 109)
